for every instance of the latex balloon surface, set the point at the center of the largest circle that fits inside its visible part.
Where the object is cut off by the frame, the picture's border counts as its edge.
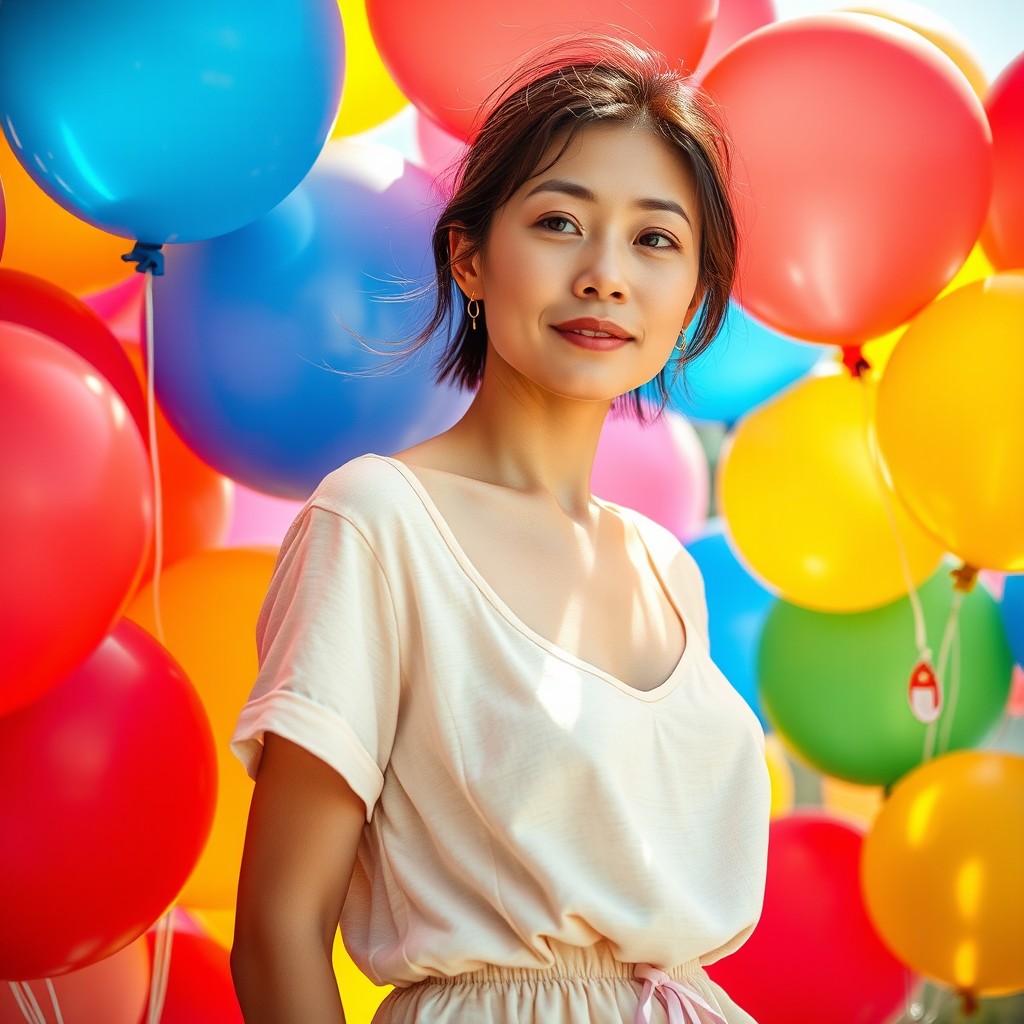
(221, 110)
(857, 163)
(950, 421)
(1003, 237)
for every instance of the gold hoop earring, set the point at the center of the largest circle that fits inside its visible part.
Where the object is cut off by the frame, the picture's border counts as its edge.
(682, 338)
(473, 310)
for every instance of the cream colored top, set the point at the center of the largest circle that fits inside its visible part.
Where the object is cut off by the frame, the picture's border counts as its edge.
(514, 793)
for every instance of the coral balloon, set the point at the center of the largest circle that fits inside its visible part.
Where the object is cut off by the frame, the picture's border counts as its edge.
(937, 31)
(196, 500)
(804, 504)
(33, 302)
(75, 516)
(735, 19)
(209, 603)
(199, 985)
(114, 990)
(122, 309)
(951, 421)
(941, 871)
(447, 58)
(835, 686)
(1003, 236)
(109, 782)
(859, 164)
(260, 317)
(814, 916)
(221, 110)
(661, 470)
(370, 95)
(45, 240)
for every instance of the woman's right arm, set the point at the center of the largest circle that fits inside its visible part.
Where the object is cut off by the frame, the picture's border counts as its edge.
(304, 828)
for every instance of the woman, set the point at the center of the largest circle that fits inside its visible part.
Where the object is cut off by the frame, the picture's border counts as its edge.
(487, 733)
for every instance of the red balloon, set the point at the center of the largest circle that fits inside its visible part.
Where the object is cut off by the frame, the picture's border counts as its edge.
(114, 991)
(76, 511)
(863, 172)
(814, 955)
(448, 57)
(1003, 237)
(199, 985)
(33, 302)
(107, 791)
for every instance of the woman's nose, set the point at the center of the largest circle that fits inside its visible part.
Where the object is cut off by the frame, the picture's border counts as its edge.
(601, 274)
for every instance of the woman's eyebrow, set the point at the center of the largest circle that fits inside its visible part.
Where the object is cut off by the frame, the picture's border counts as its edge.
(577, 191)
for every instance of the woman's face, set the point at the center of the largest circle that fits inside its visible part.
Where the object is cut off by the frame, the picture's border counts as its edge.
(608, 233)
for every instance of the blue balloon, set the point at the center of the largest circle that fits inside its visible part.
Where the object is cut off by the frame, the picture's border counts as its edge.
(746, 364)
(249, 326)
(1011, 608)
(169, 122)
(737, 608)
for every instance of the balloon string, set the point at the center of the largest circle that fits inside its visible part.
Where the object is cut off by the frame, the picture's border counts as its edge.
(951, 630)
(26, 1001)
(161, 968)
(158, 501)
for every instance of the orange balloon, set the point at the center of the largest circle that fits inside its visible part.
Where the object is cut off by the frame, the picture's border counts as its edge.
(209, 603)
(196, 500)
(941, 871)
(45, 240)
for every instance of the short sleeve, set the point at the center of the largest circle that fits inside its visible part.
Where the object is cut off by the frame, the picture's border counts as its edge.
(327, 641)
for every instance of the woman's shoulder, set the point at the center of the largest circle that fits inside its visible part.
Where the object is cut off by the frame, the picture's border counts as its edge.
(366, 489)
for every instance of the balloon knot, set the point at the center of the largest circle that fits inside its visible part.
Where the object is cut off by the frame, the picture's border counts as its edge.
(854, 361)
(968, 1002)
(148, 257)
(964, 578)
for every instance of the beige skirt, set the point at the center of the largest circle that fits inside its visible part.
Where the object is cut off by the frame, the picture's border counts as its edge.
(583, 986)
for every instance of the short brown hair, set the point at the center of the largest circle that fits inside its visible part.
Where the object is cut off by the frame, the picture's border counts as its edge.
(576, 84)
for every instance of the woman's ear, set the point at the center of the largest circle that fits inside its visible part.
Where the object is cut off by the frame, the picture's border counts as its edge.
(465, 266)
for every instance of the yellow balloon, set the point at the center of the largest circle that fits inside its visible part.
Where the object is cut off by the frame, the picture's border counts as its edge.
(950, 419)
(370, 95)
(937, 31)
(941, 871)
(209, 603)
(975, 267)
(219, 925)
(805, 507)
(781, 775)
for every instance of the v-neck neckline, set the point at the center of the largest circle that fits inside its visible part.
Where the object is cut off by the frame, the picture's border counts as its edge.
(471, 571)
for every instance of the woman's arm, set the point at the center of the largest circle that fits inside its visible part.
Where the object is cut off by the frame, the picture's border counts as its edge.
(300, 846)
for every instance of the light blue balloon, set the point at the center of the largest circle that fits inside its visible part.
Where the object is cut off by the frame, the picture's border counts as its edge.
(248, 327)
(745, 365)
(169, 122)
(737, 608)
(1011, 608)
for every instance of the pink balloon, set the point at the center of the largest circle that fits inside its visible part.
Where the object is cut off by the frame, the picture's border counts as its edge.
(3, 218)
(114, 991)
(259, 518)
(814, 955)
(447, 57)
(1003, 238)
(736, 19)
(863, 172)
(660, 470)
(122, 308)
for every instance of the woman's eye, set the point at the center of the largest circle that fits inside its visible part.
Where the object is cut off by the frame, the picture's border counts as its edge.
(559, 224)
(660, 241)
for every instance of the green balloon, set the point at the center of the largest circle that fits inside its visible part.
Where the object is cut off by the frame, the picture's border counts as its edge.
(834, 686)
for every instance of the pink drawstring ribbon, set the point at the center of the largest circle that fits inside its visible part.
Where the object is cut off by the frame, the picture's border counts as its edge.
(680, 1002)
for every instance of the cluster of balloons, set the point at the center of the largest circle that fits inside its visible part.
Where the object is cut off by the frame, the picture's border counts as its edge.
(881, 214)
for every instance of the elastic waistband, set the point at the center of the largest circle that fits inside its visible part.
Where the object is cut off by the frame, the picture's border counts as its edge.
(595, 961)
